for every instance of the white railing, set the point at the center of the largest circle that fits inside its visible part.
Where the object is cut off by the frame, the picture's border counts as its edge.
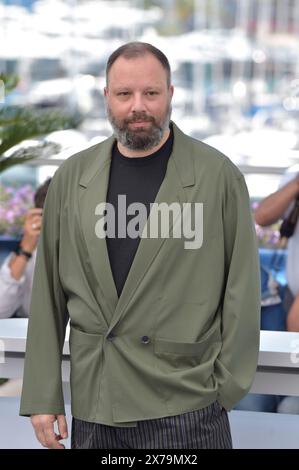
(277, 373)
(246, 169)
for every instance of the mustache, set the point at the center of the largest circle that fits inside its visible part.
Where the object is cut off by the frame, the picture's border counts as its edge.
(139, 117)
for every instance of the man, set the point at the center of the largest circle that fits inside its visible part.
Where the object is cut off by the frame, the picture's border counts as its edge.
(164, 331)
(269, 211)
(16, 272)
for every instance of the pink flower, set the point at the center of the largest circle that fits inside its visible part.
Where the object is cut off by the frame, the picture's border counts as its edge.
(15, 202)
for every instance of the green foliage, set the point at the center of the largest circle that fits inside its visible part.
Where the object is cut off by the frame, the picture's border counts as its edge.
(19, 124)
(10, 81)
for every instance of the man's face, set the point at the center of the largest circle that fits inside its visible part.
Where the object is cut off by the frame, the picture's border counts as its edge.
(138, 101)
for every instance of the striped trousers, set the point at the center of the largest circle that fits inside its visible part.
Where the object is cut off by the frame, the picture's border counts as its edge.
(207, 428)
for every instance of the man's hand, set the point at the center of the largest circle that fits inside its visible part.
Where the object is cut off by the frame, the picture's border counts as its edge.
(44, 430)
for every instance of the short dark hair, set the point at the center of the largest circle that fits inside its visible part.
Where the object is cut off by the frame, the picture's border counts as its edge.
(40, 194)
(131, 50)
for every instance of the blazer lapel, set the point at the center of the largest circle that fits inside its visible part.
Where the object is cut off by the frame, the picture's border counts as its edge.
(94, 184)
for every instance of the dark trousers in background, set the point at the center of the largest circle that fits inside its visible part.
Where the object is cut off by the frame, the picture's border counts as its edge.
(207, 428)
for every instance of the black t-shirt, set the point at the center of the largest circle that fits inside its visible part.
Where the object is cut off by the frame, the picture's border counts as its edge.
(139, 179)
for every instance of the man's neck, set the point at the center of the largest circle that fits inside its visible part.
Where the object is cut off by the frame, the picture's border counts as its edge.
(143, 153)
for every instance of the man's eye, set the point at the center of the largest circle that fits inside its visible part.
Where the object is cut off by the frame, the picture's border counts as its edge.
(123, 93)
(152, 93)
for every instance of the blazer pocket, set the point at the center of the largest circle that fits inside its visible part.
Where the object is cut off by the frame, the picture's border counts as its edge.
(86, 363)
(165, 346)
(81, 338)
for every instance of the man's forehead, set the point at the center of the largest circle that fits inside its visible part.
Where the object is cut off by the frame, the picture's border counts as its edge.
(123, 67)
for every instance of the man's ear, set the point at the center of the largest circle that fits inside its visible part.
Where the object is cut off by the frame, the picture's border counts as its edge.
(105, 91)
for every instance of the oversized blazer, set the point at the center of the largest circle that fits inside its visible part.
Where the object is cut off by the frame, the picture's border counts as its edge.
(184, 331)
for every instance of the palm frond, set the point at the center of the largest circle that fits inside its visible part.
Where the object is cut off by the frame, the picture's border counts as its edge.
(23, 155)
(19, 124)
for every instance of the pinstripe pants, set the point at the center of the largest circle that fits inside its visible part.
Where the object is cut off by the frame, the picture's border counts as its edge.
(207, 428)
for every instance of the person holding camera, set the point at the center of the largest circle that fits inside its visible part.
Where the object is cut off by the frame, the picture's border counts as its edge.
(16, 272)
(284, 204)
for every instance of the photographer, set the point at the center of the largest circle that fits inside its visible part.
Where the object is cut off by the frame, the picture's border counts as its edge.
(282, 204)
(16, 272)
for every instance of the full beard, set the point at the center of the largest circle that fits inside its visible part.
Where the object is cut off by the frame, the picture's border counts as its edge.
(142, 138)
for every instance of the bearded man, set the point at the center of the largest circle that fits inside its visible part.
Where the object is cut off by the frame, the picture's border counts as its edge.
(164, 336)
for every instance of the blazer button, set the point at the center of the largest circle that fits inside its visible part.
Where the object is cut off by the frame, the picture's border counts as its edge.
(145, 339)
(111, 336)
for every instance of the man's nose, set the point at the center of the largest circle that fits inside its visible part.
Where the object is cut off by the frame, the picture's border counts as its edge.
(138, 103)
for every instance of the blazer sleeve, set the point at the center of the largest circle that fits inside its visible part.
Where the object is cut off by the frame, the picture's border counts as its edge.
(42, 381)
(237, 361)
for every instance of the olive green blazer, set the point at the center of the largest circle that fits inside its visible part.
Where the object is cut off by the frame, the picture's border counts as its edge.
(185, 330)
